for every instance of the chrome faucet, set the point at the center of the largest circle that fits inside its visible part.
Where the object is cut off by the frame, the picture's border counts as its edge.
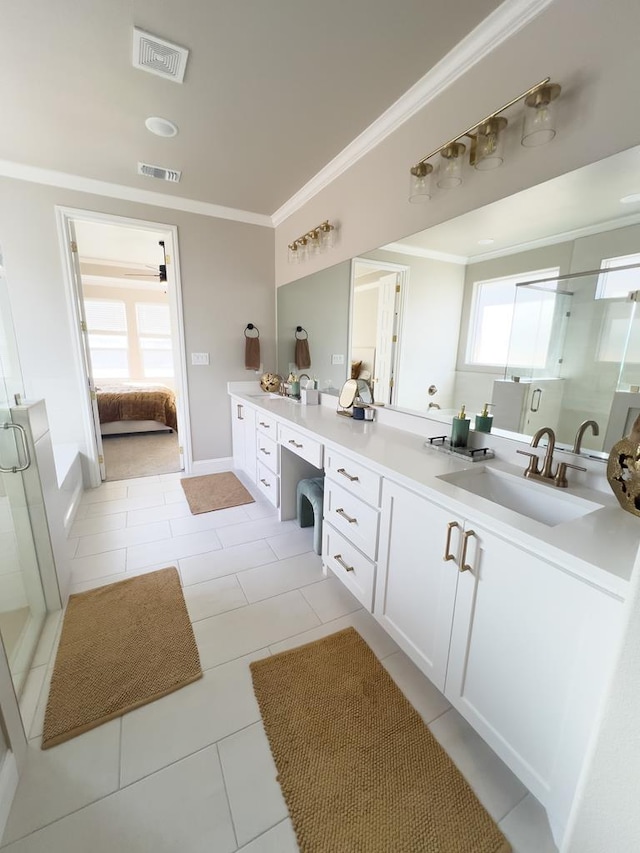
(547, 465)
(581, 431)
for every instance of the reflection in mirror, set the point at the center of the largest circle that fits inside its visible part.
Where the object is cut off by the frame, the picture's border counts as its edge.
(348, 394)
(466, 327)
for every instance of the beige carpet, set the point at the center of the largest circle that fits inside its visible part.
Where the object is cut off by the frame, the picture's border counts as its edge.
(214, 491)
(358, 768)
(121, 646)
(140, 455)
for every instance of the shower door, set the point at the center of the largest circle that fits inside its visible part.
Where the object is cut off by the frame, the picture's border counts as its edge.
(22, 602)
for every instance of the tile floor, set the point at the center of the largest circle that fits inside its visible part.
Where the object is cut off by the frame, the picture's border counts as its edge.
(193, 771)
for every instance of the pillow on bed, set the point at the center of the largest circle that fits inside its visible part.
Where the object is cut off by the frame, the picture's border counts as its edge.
(356, 367)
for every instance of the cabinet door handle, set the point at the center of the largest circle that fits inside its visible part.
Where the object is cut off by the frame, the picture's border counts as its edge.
(447, 553)
(266, 452)
(293, 441)
(262, 480)
(348, 517)
(348, 476)
(266, 426)
(240, 418)
(464, 566)
(338, 559)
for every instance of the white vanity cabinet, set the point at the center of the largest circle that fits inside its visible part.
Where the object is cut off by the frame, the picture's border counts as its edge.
(243, 434)
(416, 587)
(519, 645)
(351, 519)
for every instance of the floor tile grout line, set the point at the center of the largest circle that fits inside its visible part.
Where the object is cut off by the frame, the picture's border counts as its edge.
(262, 834)
(226, 794)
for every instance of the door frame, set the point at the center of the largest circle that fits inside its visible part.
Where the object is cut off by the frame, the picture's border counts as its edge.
(402, 271)
(65, 215)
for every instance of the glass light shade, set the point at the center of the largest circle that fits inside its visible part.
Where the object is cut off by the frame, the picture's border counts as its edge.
(539, 125)
(327, 236)
(303, 249)
(294, 258)
(313, 244)
(420, 183)
(490, 144)
(451, 166)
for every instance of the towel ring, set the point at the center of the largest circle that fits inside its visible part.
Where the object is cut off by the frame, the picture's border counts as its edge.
(251, 327)
(300, 329)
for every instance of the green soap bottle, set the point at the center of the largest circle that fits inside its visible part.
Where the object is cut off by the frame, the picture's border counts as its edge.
(484, 419)
(460, 429)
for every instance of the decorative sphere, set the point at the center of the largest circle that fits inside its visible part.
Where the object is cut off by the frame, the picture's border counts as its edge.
(270, 382)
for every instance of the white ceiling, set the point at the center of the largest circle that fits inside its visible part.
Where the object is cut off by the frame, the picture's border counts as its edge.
(274, 89)
(583, 199)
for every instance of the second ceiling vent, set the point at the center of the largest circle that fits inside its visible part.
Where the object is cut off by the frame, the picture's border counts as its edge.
(159, 172)
(158, 56)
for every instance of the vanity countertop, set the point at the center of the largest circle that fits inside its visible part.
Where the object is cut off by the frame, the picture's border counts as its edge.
(599, 547)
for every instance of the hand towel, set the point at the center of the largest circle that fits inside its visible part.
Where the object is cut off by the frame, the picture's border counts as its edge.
(252, 353)
(302, 356)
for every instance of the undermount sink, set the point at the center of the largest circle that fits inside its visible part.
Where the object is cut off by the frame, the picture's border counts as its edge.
(537, 501)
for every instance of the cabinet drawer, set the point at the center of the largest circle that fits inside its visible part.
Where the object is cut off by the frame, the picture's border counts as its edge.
(307, 448)
(356, 520)
(269, 484)
(266, 424)
(268, 452)
(355, 571)
(353, 477)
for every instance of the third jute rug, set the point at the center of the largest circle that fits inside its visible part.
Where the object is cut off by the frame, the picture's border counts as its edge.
(121, 646)
(214, 491)
(358, 768)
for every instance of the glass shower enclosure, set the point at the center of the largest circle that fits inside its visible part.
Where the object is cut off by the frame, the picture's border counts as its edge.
(22, 601)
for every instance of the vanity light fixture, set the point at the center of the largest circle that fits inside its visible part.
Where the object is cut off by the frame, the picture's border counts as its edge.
(486, 147)
(318, 240)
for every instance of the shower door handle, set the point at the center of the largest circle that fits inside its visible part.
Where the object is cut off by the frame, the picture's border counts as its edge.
(25, 450)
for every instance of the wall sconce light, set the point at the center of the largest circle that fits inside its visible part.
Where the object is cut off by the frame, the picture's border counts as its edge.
(486, 149)
(318, 240)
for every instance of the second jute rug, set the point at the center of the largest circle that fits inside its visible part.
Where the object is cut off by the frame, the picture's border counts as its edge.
(121, 646)
(214, 491)
(359, 770)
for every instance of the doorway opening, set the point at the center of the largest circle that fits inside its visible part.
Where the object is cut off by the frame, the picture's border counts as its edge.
(126, 294)
(377, 289)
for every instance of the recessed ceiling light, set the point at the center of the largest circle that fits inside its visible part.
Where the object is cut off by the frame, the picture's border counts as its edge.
(634, 198)
(486, 242)
(161, 126)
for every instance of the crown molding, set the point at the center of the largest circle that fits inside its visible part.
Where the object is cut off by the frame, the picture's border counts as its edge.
(65, 180)
(504, 22)
(565, 237)
(419, 252)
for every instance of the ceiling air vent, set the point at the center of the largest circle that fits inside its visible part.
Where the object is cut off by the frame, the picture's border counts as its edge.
(159, 172)
(158, 56)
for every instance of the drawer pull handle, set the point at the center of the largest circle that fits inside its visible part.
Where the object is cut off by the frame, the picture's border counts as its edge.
(447, 553)
(348, 476)
(240, 416)
(266, 452)
(464, 566)
(338, 559)
(293, 441)
(347, 517)
(266, 426)
(262, 480)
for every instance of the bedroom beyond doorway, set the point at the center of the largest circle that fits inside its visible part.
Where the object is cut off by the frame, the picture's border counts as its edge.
(125, 287)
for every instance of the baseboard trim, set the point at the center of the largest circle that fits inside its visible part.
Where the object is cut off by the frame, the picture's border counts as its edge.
(9, 779)
(211, 466)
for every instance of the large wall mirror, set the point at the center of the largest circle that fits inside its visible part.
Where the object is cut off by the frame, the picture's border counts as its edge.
(523, 303)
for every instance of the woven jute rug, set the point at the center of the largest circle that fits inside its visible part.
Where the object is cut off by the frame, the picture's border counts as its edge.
(214, 491)
(121, 646)
(359, 770)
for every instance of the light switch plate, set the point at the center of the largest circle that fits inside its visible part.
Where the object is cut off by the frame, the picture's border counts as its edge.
(200, 358)
(337, 359)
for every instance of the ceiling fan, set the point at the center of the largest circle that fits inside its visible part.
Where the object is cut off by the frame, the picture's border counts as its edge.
(162, 268)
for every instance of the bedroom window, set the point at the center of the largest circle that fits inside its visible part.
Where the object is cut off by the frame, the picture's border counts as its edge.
(154, 335)
(108, 340)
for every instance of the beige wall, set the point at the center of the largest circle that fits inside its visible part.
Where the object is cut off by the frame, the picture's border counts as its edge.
(588, 46)
(227, 281)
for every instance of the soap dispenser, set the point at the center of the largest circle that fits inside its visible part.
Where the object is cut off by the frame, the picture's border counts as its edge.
(460, 429)
(484, 420)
